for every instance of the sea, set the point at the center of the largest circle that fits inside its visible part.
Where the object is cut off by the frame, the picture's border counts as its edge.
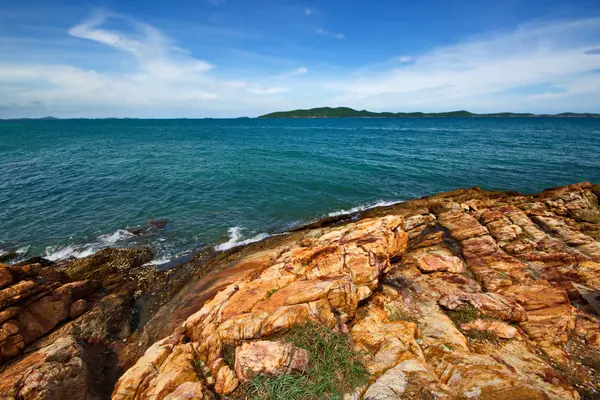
(71, 187)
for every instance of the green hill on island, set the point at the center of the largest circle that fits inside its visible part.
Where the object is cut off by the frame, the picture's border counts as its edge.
(346, 112)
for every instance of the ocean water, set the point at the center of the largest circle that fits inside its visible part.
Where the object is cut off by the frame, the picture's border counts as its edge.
(71, 187)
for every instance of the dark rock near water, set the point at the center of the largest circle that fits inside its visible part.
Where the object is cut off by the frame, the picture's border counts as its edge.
(158, 223)
(8, 256)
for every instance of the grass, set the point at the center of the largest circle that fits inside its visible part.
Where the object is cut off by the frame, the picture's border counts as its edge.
(396, 313)
(463, 314)
(271, 293)
(229, 355)
(200, 368)
(335, 369)
(482, 335)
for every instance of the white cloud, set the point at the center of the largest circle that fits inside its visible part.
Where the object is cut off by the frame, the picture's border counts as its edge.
(500, 66)
(548, 67)
(308, 11)
(258, 90)
(321, 31)
(163, 79)
(297, 72)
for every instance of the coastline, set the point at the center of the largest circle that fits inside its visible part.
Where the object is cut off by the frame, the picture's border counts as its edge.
(519, 263)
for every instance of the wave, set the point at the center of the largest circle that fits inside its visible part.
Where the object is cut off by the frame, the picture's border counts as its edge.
(22, 250)
(363, 207)
(120, 234)
(159, 261)
(235, 239)
(55, 253)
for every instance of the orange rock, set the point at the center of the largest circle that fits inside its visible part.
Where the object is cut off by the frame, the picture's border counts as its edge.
(491, 304)
(6, 277)
(534, 297)
(499, 328)
(435, 258)
(269, 358)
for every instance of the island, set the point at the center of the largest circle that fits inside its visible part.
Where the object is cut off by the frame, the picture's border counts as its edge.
(346, 112)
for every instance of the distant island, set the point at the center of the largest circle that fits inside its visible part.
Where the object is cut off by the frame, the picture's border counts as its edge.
(346, 112)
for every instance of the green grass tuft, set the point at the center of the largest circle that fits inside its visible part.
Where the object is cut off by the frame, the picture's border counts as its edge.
(271, 293)
(482, 335)
(229, 355)
(463, 314)
(335, 369)
(396, 313)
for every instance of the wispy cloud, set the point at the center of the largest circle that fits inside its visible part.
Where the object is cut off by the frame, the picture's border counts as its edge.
(485, 70)
(321, 31)
(535, 67)
(261, 91)
(163, 76)
(308, 11)
(298, 71)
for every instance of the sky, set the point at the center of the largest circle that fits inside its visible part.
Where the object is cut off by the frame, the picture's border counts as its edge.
(229, 58)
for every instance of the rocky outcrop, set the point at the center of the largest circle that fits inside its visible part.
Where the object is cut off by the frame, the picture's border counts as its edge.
(463, 295)
(60, 337)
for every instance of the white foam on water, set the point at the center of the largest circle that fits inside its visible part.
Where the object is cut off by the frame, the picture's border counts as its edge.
(23, 250)
(54, 253)
(363, 207)
(159, 261)
(120, 234)
(235, 239)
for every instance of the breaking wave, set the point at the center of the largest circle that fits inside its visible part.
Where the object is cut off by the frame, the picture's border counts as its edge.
(363, 207)
(55, 253)
(236, 239)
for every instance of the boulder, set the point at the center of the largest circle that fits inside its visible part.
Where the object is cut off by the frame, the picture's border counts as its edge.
(269, 358)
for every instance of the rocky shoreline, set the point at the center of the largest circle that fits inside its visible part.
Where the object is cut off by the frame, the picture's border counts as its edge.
(468, 294)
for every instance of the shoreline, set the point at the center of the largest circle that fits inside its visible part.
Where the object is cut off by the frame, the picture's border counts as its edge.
(518, 262)
(19, 253)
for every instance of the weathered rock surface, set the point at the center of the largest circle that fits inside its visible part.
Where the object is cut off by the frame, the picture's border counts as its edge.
(59, 337)
(269, 358)
(462, 295)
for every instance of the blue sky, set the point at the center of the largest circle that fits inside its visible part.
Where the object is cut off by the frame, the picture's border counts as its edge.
(231, 57)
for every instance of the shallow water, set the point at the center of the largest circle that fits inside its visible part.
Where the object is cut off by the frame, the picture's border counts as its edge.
(70, 187)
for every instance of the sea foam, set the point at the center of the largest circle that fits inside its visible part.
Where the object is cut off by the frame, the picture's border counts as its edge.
(236, 239)
(363, 207)
(55, 253)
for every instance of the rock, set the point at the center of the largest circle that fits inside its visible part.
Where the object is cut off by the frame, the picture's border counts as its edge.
(410, 379)
(490, 304)
(461, 225)
(533, 261)
(158, 223)
(269, 358)
(437, 258)
(190, 391)
(108, 264)
(5, 276)
(480, 376)
(535, 297)
(77, 308)
(498, 328)
(56, 372)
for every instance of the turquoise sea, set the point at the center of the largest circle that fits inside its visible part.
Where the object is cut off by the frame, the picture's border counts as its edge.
(70, 187)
